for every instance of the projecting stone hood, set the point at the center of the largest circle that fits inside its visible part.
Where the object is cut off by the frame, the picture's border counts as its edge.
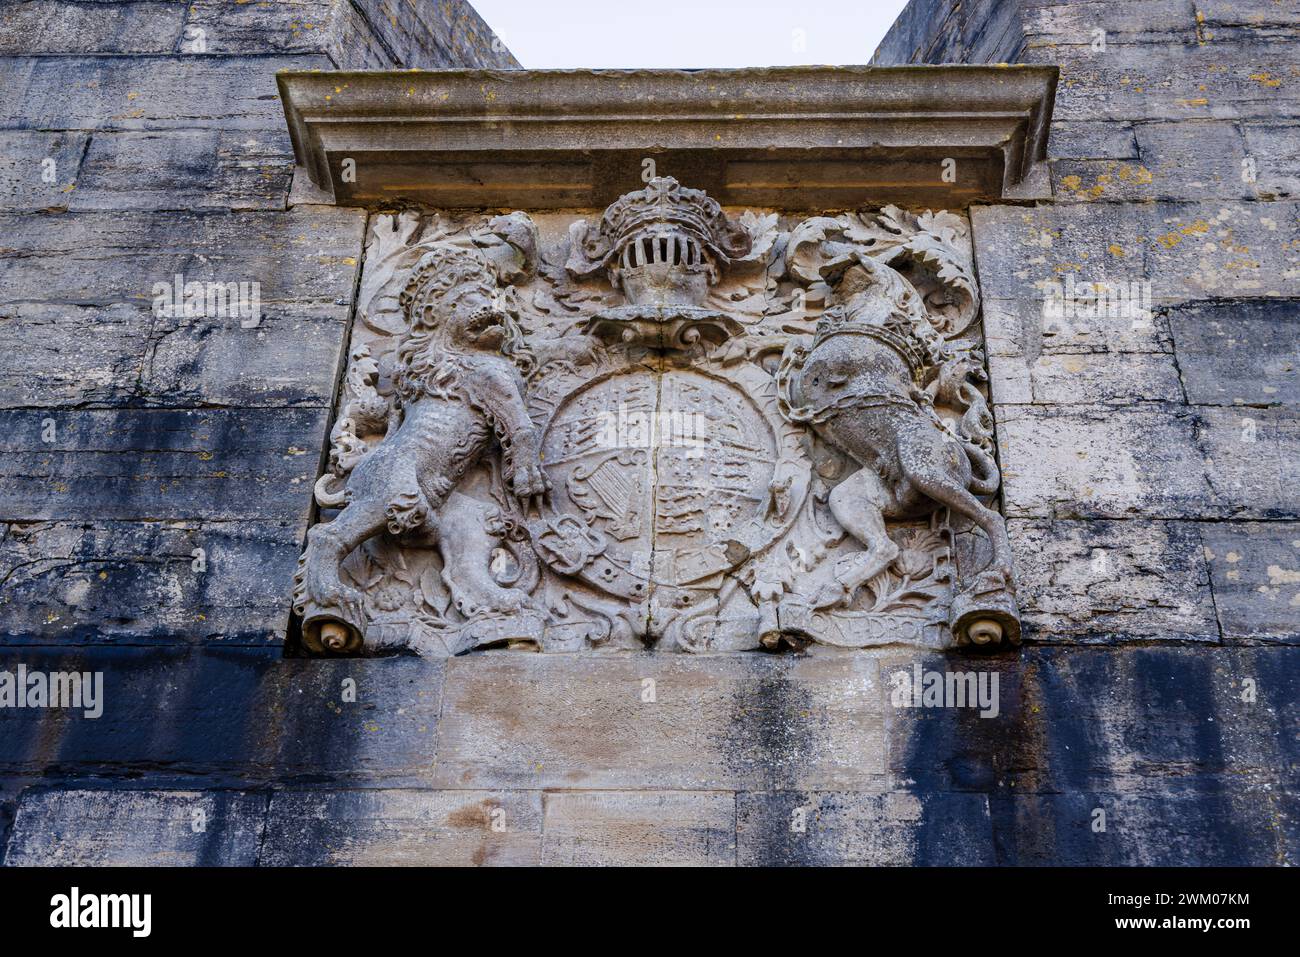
(785, 138)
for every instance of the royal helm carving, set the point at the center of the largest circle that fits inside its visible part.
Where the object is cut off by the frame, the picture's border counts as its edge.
(662, 245)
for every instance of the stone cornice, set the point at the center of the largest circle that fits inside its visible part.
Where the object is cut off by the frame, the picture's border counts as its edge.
(787, 137)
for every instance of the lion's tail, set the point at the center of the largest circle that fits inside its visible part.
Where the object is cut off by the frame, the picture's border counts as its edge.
(987, 478)
(331, 490)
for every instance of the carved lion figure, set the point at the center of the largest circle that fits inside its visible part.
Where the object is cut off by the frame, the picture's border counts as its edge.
(860, 388)
(457, 389)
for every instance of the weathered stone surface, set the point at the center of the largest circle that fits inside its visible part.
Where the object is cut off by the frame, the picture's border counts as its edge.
(124, 93)
(1229, 20)
(1256, 573)
(1252, 456)
(1210, 823)
(1216, 167)
(356, 36)
(59, 354)
(234, 717)
(944, 31)
(1085, 379)
(1173, 81)
(1164, 169)
(140, 828)
(1104, 462)
(1187, 251)
(639, 828)
(1162, 461)
(24, 169)
(118, 354)
(1157, 461)
(417, 37)
(1021, 328)
(364, 35)
(289, 26)
(308, 254)
(1105, 581)
(291, 358)
(1239, 352)
(185, 170)
(851, 828)
(1275, 148)
(1085, 181)
(1055, 26)
(1076, 726)
(1123, 720)
(950, 744)
(390, 828)
(715, 723)
(159, 464)
(54, 26)
(1093, 141)
(361, 35)
(1090, 719)
(144, 582)
(1231, 37)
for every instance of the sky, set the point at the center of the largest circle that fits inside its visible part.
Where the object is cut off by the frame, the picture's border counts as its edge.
(688, 33)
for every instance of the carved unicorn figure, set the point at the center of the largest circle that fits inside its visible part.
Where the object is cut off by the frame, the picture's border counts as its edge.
(861, 386)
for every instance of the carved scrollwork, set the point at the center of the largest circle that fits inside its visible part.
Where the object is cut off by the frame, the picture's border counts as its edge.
(931, 250)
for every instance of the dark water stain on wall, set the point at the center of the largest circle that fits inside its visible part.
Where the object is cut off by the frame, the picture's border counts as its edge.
(1134, 733)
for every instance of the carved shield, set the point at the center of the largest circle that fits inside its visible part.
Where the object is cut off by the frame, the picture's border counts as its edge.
(671, 468)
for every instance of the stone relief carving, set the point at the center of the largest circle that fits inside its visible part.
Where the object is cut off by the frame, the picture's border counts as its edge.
(665, 426)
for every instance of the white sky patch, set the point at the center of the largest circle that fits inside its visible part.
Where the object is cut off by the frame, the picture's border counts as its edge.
(689, 34)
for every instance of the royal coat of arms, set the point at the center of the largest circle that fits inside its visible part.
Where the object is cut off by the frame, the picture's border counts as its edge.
(669, 427)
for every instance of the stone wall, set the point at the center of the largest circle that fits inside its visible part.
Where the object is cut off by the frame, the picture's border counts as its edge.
(163, 133)
(138, 141)
(1157, 549)
(1151, 469)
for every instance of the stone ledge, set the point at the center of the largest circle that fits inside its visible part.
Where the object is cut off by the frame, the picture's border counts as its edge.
(796, 137)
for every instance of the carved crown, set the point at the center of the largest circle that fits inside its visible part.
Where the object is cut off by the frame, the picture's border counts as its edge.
(441, 272)
(665, 202)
